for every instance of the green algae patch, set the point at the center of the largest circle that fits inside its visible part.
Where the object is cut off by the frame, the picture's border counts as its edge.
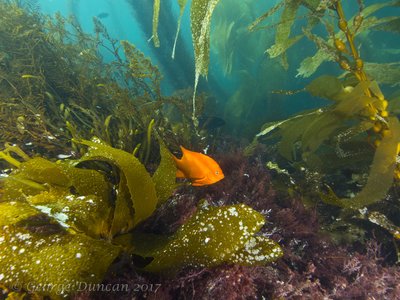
(215, 235)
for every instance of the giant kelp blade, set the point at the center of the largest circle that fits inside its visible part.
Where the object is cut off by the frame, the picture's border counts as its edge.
(384, 73)
(254, 26)
(310, 64)
(392, 26)
(380, 177)
(214, 235)
(165, 176)
(327, 87)
(138, 181)
(283, 41)
(156, 13)
(200, 21)
(292, 131)
(88, 214)
(35, 253)
(325, 124)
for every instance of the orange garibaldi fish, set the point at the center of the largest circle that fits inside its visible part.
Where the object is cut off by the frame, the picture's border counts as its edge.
(199, 168)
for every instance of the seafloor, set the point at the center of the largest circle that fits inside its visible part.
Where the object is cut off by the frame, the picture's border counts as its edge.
(313, 265)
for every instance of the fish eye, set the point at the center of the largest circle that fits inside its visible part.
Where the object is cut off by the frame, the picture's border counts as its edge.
(216, 172)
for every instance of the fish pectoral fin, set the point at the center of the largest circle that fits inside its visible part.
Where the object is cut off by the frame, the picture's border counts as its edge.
(180, 174)
(200, 181)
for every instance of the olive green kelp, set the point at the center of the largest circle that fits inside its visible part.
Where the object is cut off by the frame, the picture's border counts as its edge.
(380, 177)
(200, 18)
(200, 21)
(58, 220)
(215, 235)
(339, 133)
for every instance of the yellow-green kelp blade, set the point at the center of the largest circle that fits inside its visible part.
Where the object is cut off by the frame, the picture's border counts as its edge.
(86, 209)
(200, 20)
(34, 252)
(215, 235)
(380, 177)
(138, 182)
(156, 14)
(165, 176)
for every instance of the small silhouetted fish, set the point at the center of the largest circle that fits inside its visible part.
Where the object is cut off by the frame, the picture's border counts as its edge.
(103, 15)
(210, 122)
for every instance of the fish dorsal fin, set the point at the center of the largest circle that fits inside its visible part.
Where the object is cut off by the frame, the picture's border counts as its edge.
(180, 161)
(185, 153)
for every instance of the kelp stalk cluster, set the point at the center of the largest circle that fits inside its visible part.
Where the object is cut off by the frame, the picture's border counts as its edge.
(359, 133)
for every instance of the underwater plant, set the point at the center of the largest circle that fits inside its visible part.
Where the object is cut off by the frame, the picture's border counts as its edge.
(59, 219)
(55, 86)
(66, 221)
(200, 21)
(359, 129)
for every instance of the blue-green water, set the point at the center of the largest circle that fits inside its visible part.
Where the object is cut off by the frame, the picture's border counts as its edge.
(241, 76)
